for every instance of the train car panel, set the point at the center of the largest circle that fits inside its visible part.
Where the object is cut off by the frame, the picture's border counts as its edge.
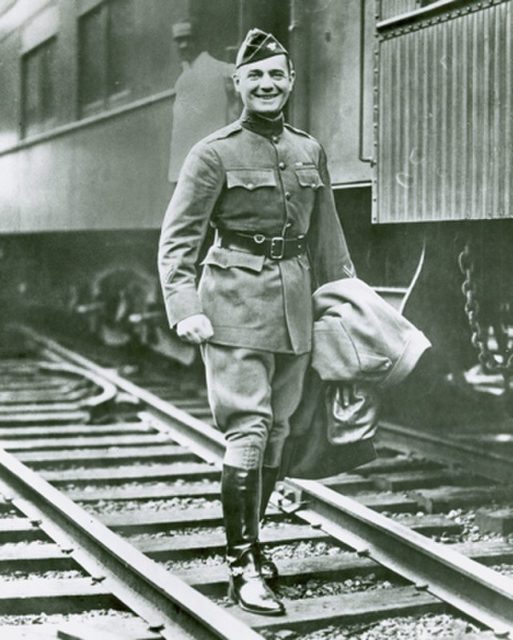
(73, 177)
(42, 27)
(391, 8)
(10, 211)
(124, 140)
(445, 116)
(339, 95)
(86, 174)
(10, 82)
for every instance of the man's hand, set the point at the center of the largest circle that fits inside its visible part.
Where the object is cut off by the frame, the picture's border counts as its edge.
(195, 329)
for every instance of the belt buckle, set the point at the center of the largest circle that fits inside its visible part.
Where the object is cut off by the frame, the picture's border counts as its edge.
(277, 254)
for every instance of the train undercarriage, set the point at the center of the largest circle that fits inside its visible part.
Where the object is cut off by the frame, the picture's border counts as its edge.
(455, 281)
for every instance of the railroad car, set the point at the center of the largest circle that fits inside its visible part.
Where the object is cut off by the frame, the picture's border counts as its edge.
(412, 100)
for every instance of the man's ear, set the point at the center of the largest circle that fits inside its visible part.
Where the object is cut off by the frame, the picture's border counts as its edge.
(236, 81)
(292, 76)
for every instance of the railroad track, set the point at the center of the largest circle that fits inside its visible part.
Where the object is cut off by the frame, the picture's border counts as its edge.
(120, 490)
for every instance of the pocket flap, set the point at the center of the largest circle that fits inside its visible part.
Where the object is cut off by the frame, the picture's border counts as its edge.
(227, 258)
(250, 178)
(309, 177)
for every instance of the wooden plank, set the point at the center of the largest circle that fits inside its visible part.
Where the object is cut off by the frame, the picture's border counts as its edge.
(118, 629)
(186, 545)
(53, 596)
(30, 552)
(65, 430)
(37, 382)
(85, 442)
(385, 502)
(44, 418)
(35, 557)
(210, 490)
(108, 457)
(213, 579)
(131, 521)
(179, 470)
(32, 397)
(15, 524)
(396, 464)
(349, 484)
(486, 551)
(309, 614)
(10, 367)
(19, 530)
(377, 501)
(39, 408)
(446, 498)
(29, 632)
(431, 524)
(478, 635)
(422, 479)
(495, 520)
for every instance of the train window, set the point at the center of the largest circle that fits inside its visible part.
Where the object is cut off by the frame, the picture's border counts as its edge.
(92, 69)
(38, 88)
(105, 43)
(121, 42)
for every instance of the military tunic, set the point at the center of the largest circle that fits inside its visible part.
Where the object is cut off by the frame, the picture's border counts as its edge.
(253, 176)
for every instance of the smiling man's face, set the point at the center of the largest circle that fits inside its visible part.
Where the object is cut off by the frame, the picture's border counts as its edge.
(264, 86)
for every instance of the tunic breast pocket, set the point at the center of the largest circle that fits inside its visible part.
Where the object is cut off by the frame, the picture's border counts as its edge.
(309, 177)
(250, 179)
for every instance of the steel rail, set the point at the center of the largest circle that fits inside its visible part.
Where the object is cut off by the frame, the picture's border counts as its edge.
(108, 390)
(486, 463)
(465, 584)
(470, 587)
(170, 606)
(188, 431)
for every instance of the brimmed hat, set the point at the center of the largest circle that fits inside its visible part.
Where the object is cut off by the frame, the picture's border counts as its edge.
(182, 29)
(258, 45)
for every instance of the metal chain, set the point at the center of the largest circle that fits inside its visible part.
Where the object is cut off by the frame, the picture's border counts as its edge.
(487, 359)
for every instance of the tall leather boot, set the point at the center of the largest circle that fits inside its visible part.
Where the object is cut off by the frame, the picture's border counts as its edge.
(269, 477)
(240, 495)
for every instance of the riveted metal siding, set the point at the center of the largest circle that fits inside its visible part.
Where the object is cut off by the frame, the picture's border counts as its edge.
(445, 135)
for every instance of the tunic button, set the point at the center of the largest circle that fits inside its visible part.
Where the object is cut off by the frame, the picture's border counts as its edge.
(251, 185)
(288, 195)
(282, 165)
(275, 139)
(288, 225)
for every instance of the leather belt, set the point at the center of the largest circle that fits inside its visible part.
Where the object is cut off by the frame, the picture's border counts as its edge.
(274, 247)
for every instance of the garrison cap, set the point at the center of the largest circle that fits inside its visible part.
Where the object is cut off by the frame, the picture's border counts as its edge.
(258, 45)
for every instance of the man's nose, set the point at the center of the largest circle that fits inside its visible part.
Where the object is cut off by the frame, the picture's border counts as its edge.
(266, 83)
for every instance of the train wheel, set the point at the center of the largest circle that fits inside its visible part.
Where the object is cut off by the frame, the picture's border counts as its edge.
(119, 293)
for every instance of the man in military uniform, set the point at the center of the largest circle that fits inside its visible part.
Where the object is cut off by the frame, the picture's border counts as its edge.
(204, 97)
(265, 188)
